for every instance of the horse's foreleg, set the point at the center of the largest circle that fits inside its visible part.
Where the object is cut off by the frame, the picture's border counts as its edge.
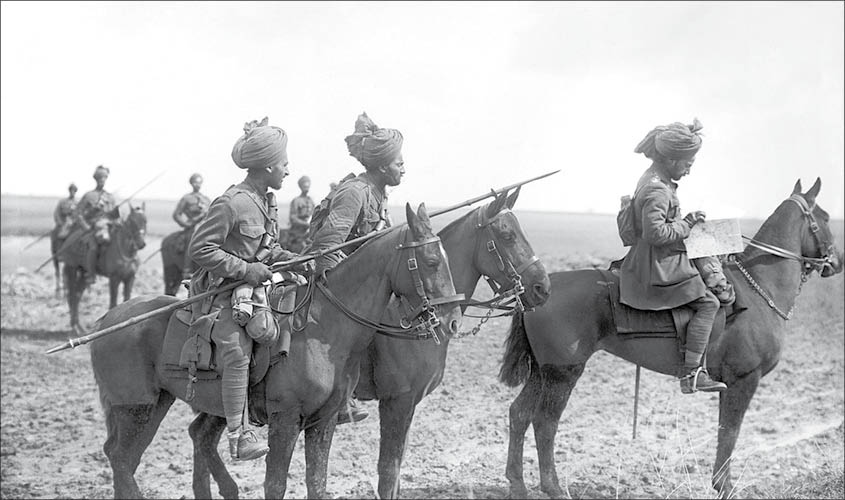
(521, 411)
(732, 406)
(114, 282)
(75, 287)
(205, 431)
(128, 283)
(318, 444)
(284, 429)
(558, 382)
(395, 417)
(58, 275)
(134, 426)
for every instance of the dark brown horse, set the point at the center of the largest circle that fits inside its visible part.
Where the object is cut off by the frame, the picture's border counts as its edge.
(118, 260)
(547, 350)
(487, 241)
(303, 391)
(173, 248)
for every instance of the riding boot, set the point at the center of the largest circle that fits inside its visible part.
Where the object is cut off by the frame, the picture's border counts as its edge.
(699, 380)
(351, 413)
(244, 445)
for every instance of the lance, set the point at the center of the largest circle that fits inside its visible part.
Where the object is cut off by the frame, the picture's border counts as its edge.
(72, 343)
(151, 256)
(68, 244)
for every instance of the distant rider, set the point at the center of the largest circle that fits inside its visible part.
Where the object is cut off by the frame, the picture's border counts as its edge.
(96, 212)
(188, 212)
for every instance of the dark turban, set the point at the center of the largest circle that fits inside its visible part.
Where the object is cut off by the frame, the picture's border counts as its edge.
(674, 142)
(100, 171)
(262, 146)
(373, 146)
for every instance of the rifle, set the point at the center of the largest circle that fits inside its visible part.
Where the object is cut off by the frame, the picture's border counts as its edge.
(279, 266)
(67, 244)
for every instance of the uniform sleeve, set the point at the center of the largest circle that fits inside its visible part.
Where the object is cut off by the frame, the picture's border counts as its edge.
(208, 238)
(58, 218)
(179, 213)
(344, 210)
(657, 231)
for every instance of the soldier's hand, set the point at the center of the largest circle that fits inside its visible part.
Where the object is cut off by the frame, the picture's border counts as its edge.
(695, 217)
(257, 273)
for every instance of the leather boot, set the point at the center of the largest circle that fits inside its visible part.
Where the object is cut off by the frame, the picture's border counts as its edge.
(351, 413)
(699, 380)
(244, 445)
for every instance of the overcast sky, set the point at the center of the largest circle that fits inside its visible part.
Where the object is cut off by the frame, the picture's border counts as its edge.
(484, 93)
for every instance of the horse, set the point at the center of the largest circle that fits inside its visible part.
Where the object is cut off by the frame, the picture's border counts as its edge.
(56, 242)
(487, 241)
(118, 260)
(547, 350)
(173, 248)
(303, 390)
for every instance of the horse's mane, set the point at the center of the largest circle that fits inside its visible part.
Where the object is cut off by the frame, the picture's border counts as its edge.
(450, 227)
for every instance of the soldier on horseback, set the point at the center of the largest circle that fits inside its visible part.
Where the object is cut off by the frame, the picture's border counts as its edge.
(301, 210)
(96, 212)
(656, 273)
(65, 213)
(358, 205)
(237, 241)
(188, 212)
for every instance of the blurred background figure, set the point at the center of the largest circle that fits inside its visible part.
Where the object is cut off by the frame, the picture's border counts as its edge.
(190, 210)
(64, 213)
(301, 210)
(96, 212)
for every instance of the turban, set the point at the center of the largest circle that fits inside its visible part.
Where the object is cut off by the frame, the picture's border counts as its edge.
(371, 145)
(72, 187)
(100, 170)
(195, 176)
(675, 141)
(261, 146)
(302, 179)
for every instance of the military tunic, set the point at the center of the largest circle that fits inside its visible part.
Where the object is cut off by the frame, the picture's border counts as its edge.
(93, 206)
(64, 215)
(357, 207)
(191, 209)
(301, 209)
(656, 273)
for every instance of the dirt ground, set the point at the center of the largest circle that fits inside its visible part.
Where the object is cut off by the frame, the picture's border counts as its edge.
(53, 432)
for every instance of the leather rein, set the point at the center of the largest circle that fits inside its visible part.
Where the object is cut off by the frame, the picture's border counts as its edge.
(808, 264)
(423, 318)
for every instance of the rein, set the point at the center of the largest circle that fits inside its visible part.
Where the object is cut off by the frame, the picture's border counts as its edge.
(424, 321)
(808, 264)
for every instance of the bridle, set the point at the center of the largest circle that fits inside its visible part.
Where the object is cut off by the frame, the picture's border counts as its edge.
(505, 299)
(421, 321)
(129, 228)
(808, 264)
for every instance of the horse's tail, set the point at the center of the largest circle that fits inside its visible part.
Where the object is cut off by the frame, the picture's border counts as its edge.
(518, 360)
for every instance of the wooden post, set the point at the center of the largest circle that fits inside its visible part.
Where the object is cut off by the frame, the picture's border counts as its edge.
(636, 401)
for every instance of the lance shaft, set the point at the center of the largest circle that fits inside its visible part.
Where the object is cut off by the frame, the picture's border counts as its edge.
(72, 343)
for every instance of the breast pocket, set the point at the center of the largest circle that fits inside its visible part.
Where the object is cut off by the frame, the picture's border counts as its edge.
(251, 231)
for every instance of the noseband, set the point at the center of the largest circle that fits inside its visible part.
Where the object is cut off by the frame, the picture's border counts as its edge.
(421, 321)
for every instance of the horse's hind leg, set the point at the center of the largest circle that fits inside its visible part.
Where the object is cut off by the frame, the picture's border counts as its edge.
(131, 429)
(558, 382)
(205, 432)
(521, 411)
(732, 406)
(395, 416)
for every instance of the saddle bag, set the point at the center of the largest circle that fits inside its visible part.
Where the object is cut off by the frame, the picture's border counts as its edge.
(196, 353)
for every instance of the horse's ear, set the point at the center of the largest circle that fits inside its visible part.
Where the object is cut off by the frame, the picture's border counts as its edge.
(422, 214)
(797, 188)
(413, 221)
(496, 205)
(810, 195)
(512, 198)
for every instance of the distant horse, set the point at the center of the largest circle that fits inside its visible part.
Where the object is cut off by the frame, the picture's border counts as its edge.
(56, 242)
(487, 241)
(303, 390)
(173, 248)
(118, 260)
(547, 350)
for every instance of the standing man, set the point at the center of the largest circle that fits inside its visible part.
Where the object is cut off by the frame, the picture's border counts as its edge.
(237, 241)
(656, 273)
(96, 212)
(301, 210)
(189, 211)
(358, 206)
(64, 213)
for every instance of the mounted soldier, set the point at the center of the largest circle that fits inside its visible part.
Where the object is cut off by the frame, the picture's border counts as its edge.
(656, 274)
(358, 205)
(301, 210)
(188, 212)
(96, 212)
(65, 213)
(237, 241)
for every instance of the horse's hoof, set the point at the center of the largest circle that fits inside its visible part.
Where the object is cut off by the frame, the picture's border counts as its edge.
(78, 330)
(554, 492)
(518, 492)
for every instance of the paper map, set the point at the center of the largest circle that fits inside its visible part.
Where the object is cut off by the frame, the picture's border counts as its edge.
(714, 237)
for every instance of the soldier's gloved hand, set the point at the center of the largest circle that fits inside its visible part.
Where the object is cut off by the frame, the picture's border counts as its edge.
(257, 273)
(695, 217)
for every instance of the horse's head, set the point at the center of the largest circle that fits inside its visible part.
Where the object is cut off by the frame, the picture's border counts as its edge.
(422, 275)
(504, 255)
(816, 236)
(136, 225)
